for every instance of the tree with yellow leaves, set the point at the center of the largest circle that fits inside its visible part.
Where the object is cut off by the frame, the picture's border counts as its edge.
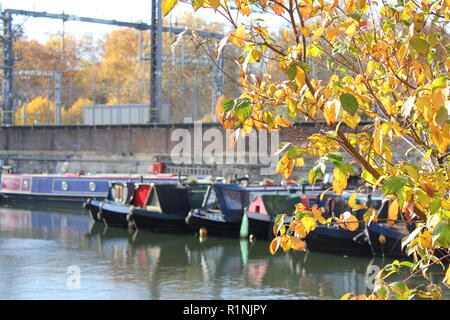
(40, 110)
(74, 114)
(388, 63)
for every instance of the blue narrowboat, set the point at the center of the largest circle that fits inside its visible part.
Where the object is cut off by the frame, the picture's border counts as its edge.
(221, 212)
(66, 188)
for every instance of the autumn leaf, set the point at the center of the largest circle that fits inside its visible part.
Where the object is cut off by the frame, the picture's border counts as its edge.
(274, 245)
(298, 244)
(317, 33)
(348, 221)
(167, 6)
(278, 7)
(339, 180)
(393, 212)
(238, 37)
(318, 214)
(308, 223)
(446, 279)
(286, 242)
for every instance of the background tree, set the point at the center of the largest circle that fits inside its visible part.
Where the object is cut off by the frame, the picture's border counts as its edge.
(388, 63)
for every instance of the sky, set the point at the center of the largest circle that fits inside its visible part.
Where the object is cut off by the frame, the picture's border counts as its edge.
(124, 10)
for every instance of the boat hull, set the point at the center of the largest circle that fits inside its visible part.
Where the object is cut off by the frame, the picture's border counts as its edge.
(121, 216)
(260, 226)
(386, 241)
(62, 189)
(337, 241)
(214, 227)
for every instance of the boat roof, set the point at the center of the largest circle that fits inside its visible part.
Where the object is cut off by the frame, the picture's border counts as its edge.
(278, 203)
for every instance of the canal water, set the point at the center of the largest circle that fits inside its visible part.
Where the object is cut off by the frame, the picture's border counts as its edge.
(61, 254)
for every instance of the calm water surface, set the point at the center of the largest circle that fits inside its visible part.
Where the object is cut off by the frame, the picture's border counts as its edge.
(40, 247)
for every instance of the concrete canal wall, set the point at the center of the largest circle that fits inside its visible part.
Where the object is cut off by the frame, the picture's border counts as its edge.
(133, 148)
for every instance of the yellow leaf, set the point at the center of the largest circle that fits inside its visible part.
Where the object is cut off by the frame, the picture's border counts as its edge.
(298, 244)
(238, 37)
(278, 7)
(339, 180)
(300, 230)
(274, 245)
(346, 296)
(299, 162)
(370, 67)
(317, 33)
(350, 5)
(317, 213)
(446, 280)
(352, 200)
(309, 223)
(167, 6)
(393, 212)
(351, 121)
(348, 221)
(283, 122)
(331, 111)
(285, 34)
(349, 26)
(285, 242)
(331, 34)
(425, 239)
(305, 31)
(300, 77)
(439, 97)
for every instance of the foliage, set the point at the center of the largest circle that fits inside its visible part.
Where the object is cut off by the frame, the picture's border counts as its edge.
(115, 69)
(389, 64)
(38, 111)
(74, 114)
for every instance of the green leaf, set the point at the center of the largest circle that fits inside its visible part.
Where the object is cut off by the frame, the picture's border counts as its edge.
(419, 45)
(312, 176)
(393, 184)
(295, 153)
(349, 103)
(382, 292)
(335, 158)
(442, 116)
(228, 104)
(291, 71)
(367, 176)
(243, 109)
(439, 82)
(435, 205)
(304, 66)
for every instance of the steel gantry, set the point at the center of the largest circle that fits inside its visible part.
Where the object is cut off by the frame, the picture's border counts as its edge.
(156, 28)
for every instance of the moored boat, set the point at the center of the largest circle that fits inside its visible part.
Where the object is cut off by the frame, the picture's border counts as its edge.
(377, 238)
(264, 208)
(221, 212)
(156, 207)
(67, 189)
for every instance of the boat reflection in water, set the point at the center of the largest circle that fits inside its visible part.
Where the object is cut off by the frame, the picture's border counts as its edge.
(117, 263)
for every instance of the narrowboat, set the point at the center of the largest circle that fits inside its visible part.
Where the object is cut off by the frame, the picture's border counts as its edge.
(221, 212)
(223, 208)
(377, 238)
(155, 207)
(66, 188)
(262, 211)
(386, 238)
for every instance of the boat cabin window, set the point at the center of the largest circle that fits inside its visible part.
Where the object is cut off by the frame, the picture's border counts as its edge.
(211, 201)
(340, 205)
(153, 199)
(374, 203)
(232, 199)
